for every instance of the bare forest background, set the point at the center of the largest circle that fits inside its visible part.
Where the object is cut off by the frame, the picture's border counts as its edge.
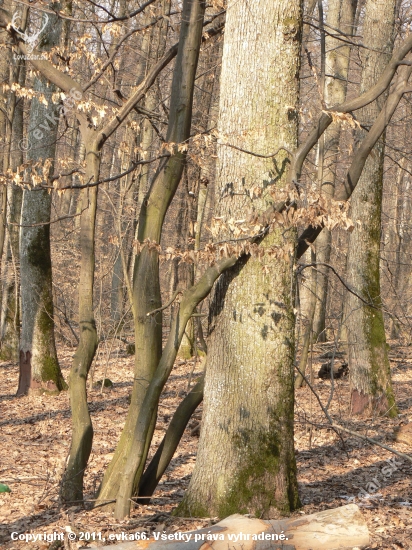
(202, 205)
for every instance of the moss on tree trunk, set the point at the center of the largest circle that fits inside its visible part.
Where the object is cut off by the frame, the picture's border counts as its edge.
(245, 461)
(39, 367)
(370, 379)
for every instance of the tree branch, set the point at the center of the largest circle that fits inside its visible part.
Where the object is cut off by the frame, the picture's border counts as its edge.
(315, 264)
(62, 15)
(141, 90)
(310, 234)
(348, 106)
(175, 295)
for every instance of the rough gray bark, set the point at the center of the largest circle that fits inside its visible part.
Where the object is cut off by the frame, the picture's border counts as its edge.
(39, 367)
(249, 395)
(371, 388)
(13, 157)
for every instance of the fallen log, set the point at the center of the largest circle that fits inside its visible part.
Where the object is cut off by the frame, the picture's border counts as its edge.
(340, 528)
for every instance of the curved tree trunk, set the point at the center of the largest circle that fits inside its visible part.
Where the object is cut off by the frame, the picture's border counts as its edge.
(82, 433)
(123, 474)
(246, 461)
(90, 146)
(371, 389)
(168, 446)
(39, 367)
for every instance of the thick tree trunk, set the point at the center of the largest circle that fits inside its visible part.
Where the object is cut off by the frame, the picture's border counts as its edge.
(371, 388)
(341, 15)
(13, 157)
(4, 76)
(337, 529)
(10, 307)
(123, 474)
(245, 461)
(39, 367)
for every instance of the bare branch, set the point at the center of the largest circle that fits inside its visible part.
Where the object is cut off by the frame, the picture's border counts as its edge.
(315, 264)
(175, 295)
(348, 106)
(310, 234)
(113, 19)
(143, 87)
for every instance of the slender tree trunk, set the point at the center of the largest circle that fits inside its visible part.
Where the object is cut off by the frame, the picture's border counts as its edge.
(193, 198)
(245, 461)
(82, 432)
(183, 273)
(39, 367)
(123, 475)
(4, 77)
(80, 157)
(122, 232)
(152, 48)
(370, 380)
(341, 16)
(396, 236)
(308, 337)
(10, 310)
(66, 200)
(147, 139)
(168, 446)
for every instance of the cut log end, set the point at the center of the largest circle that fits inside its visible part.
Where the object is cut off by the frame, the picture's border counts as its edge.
(340, 528)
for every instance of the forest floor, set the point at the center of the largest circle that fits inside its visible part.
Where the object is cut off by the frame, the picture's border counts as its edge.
(35, 437)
